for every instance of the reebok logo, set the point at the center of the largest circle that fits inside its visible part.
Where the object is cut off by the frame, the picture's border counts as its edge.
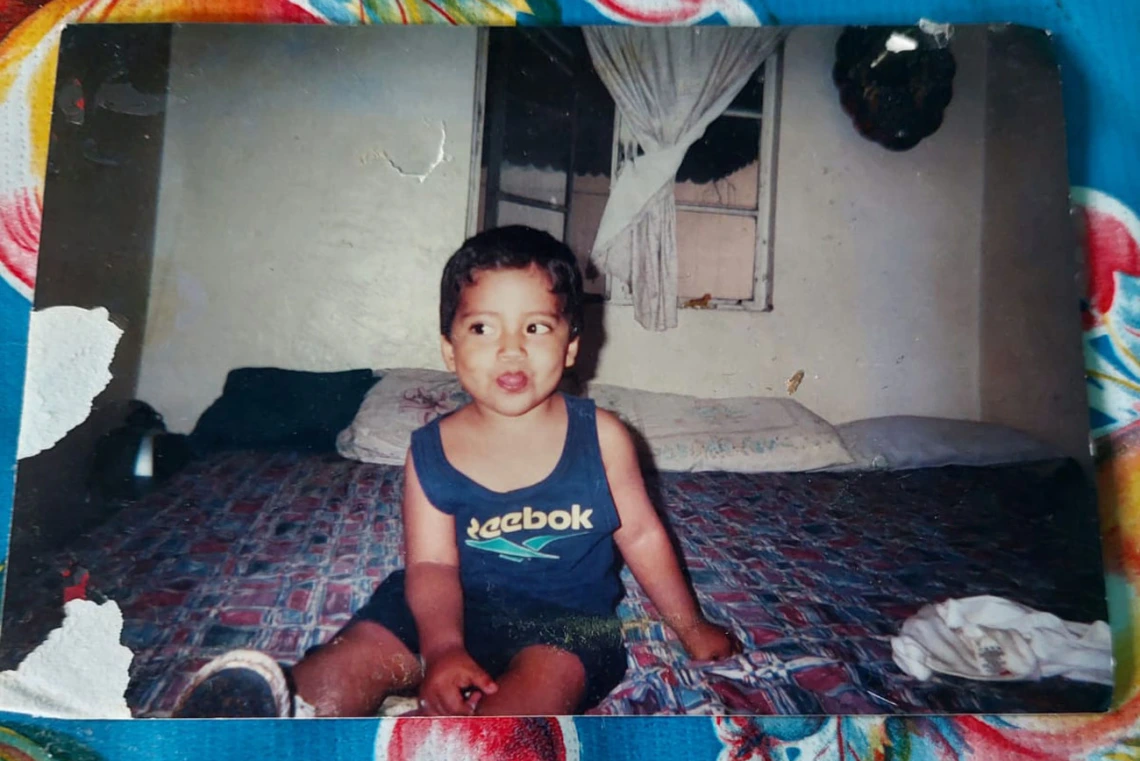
(574, 519)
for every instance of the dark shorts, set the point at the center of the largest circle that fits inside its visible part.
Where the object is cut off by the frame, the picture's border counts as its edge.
(495, 631)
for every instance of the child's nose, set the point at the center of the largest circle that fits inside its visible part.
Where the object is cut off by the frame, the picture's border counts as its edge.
(512, 344)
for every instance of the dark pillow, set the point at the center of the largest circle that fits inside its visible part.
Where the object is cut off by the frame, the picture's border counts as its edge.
(273, 409)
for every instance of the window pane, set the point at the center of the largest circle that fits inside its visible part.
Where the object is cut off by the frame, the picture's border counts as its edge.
(540, 219)
(535, 146)
(722, 168)
(594, 150)
(587, 205)
(592, 161)
(537, 128)
(546, 185)
(737, 191)
(751, 98)
(716, 254)
(550, 96)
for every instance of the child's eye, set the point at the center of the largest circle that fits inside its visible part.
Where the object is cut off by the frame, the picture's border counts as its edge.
(478, 328)
(538, 328)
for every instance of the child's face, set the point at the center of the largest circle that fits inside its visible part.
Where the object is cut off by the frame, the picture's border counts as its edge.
(509, 342)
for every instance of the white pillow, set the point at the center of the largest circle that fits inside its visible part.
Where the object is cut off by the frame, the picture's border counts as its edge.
(743, 435)
(401, 402)
(904, 442)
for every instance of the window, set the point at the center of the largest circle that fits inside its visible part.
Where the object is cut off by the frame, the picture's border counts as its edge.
(552, 140)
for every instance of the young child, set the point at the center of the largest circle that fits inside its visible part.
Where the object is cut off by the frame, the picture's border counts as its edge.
(513, 505)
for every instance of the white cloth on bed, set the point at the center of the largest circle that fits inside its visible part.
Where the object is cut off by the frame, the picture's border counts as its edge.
(991, 638)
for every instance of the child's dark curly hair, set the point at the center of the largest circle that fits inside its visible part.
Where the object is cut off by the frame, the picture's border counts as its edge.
(513, 247)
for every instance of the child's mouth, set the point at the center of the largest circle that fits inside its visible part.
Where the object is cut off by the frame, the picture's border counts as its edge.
(512, 382)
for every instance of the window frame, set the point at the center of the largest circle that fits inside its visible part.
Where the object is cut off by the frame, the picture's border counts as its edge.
(478, 119)
(618, 294)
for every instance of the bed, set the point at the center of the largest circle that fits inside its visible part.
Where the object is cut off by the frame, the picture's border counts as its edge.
(813, 570)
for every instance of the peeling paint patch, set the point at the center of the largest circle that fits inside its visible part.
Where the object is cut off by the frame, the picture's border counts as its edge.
(69, 358)
(441, 157)
(79, 672)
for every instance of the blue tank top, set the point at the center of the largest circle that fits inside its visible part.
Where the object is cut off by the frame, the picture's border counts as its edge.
(551, 542)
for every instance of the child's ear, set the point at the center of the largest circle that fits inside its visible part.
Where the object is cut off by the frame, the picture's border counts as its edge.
(572, 352)
(448, 352)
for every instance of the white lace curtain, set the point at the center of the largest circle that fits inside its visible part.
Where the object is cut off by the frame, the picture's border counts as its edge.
(668, 83)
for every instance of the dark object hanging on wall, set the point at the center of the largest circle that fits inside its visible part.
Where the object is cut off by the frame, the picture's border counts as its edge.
(896, 99)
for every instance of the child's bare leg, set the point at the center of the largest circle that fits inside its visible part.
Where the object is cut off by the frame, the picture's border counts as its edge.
(542, 680)
(353, 673)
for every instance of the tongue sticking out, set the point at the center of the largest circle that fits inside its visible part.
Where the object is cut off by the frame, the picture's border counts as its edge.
(512, 381)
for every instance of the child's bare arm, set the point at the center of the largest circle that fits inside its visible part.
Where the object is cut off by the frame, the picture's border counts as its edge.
(646, 548)
(436, 600)
(432, 583)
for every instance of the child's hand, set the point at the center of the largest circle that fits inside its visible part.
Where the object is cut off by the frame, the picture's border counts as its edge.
(453, 684)
(707, 642)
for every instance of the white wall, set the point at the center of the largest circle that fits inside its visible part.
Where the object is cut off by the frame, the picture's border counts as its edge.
(284, 237)
(875, 265)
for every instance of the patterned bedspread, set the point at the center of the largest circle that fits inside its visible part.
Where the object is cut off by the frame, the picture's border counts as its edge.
(813, 572)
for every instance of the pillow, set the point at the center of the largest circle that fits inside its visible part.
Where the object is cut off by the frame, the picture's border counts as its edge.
(905, 442)
(743, 435)
(406, 399)
(271, 408)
